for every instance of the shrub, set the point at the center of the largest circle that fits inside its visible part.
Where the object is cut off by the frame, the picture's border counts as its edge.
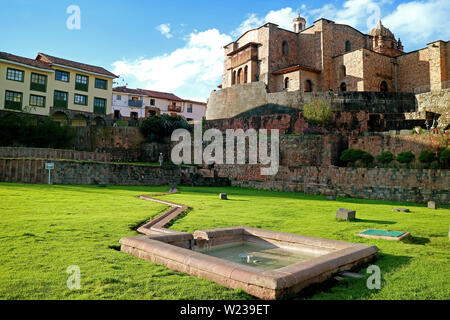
(351, 156)
(444, 158)
(157, 127)
(406, 157)
(427, 157)
(318, 112)
(385, 157)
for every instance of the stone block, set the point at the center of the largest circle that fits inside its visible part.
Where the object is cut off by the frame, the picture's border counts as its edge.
(345, 214)
(432, 205)
(401, 210)
(223, 196)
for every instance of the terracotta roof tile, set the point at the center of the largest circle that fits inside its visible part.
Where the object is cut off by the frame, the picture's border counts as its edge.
(74, 64)
(30, 62)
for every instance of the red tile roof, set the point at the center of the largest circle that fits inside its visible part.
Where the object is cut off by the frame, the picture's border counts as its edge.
(150, 93)
(195, 102)
(22, 60)
(74, 64)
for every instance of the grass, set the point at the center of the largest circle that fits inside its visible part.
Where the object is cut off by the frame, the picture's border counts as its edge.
(46, 229)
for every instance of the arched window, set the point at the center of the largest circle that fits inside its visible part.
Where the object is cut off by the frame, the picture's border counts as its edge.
(343, 72)
(348, 46)
(239, 76)
(343, 86)
(285, 48)
(245, 74)
(233, 78)
(308, 86)
(383, 86)
(286, 83)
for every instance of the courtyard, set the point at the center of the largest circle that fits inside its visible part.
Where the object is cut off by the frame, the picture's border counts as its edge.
(46, 229)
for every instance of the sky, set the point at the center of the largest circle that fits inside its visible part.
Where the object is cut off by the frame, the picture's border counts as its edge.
(177, 46)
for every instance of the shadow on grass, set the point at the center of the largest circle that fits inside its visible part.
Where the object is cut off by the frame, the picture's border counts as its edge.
(374, 221)
(416, 240)
(351, 287)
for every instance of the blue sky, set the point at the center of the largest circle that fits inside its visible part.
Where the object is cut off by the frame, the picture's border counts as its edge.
(176, 46)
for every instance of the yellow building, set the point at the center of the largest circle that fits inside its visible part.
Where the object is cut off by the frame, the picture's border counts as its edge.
(68, 91)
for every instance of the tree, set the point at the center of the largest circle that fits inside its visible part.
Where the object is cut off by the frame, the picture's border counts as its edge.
(351, 156)
(158, 127)
(427, 157)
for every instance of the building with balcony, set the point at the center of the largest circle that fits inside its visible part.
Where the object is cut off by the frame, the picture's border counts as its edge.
(134, 104)
(70, 92)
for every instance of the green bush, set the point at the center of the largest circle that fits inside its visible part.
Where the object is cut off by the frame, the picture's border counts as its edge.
(318, 112)
(351, 156)
(427, 157)
(25, 130)
(385, 157)
(158, 127)
(406, 157)
(444, 158)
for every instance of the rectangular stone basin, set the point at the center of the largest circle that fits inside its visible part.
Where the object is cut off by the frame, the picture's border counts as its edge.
(265, 264)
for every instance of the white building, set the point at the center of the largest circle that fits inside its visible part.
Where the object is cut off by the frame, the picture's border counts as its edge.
(136, 104)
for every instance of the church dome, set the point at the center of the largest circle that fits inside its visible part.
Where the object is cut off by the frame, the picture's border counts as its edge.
(381, 30)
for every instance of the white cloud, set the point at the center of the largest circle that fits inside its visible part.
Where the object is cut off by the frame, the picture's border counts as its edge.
(282, 17)
(165, 30)
(419, 22)
(198, 64)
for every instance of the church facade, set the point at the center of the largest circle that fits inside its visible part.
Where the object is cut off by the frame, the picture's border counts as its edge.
(333, 57)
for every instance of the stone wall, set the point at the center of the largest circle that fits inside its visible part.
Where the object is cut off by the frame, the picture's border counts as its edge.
(41, 153)
(397, 143)
(86, 173)
(123, 143)
(437, 102)
(412, 185)
(243, 98)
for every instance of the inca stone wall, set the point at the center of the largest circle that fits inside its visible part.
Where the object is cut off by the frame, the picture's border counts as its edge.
(86, 173)
(438, 102)
(42, 153)
(375, 145)
(412, 185)
(236, 100)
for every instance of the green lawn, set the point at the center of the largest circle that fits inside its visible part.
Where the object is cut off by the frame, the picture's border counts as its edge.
(45, 229)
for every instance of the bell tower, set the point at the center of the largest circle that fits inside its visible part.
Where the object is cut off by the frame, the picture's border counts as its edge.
(299, 24)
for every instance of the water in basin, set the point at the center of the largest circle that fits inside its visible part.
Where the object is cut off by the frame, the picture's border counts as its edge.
(261, 256)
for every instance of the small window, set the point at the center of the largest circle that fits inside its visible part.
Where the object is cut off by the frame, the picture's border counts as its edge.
(14, 75)
(80, 99)
(383, 86)
(13, 100)
(37, 101)
(81, 82)
(101, 84)
(119, 97)
(286, 83)
(60, 99)
(348, 46)
(343, 87)
(189, 109)
(285, 48)
(62, 75)
(152, 102)
(308, 86)
(38, 82)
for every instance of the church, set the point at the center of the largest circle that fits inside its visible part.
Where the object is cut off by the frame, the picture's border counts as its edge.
(328, 56)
